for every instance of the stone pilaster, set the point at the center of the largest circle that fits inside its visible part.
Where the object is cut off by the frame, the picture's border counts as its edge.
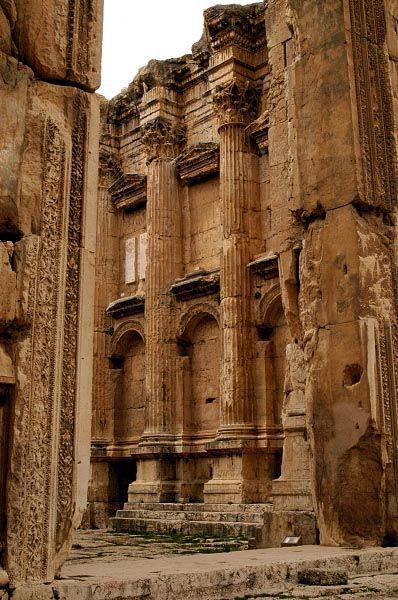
(164, 264)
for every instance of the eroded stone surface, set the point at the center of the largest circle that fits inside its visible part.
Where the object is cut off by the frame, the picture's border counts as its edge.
(296, 404)
(48, 173)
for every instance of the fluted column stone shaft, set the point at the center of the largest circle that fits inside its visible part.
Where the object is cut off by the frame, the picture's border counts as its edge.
(235, 105)
(164, 264)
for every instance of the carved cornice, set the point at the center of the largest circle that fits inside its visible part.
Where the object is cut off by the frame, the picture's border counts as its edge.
(195, 285)
(266, 267)
(236, 101)
(129, 191)
(162, 139)
(242, 26)
(123, 307)
(259, 133)
(199, 162)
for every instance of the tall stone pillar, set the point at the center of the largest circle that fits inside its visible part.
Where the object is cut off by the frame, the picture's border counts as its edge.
(49, 138)
(237, 414)
(237, 474)
(155, 472)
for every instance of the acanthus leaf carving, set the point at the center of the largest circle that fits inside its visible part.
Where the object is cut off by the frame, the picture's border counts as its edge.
(236, 101)
(162, 139)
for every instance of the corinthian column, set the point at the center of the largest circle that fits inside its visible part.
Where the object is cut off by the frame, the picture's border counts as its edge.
(154, 469)
(241, 472)
(163, 266)
(236, 104)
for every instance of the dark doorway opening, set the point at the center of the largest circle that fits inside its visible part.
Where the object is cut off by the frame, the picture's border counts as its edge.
(121, 474)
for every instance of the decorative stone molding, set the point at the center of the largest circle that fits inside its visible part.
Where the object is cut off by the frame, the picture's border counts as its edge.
(194, 314)
(199, 162)
(266, 267)
(195, 285)
(236, 101)
(162, 139)
(374, 102)
(129, 191)
(236, 26)
(130, 326)
(123, 307)
(259, 133)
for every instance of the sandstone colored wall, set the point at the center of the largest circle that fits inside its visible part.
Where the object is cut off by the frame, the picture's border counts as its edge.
(263, 169)
(49, 64)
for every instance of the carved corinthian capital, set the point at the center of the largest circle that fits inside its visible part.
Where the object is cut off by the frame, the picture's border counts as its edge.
(162, 139)
(236, 101)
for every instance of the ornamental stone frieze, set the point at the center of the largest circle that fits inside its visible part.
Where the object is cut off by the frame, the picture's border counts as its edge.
(236, 101)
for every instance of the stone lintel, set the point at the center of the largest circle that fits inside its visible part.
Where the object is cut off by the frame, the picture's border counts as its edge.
(196, 285)
(123, 307)
(129, 191)
(199, 162)
(265, 266)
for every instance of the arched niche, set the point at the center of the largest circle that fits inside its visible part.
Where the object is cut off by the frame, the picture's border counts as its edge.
(127, 372)
(200, 343)
(272, 340)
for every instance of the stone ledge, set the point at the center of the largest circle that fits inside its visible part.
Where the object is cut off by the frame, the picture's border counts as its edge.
(265, 266)
(200, 162)
(123, 307)
(128, 192)
(195, 285)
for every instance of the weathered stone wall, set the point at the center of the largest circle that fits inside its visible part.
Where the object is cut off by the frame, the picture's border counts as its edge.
(49, 64)
(263, 169)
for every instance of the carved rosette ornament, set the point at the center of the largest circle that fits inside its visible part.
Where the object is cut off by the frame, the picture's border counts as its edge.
(162, 139)
(236, 102)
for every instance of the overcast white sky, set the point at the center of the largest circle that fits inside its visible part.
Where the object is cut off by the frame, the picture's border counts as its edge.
(137, 30)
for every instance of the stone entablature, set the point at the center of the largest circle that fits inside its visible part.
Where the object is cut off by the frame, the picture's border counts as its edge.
(129, 191)
(196, 285)
(124, 307)
(199, 162)
(266, 267)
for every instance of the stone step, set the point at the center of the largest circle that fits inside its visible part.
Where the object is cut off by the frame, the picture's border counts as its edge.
(184, 527)
(185, 515)
(200, 507)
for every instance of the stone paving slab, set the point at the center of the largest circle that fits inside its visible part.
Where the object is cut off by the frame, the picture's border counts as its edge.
(243, 575)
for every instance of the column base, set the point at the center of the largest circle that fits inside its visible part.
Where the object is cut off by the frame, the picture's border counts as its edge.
(241, 474)
(292, 491)
(292, 494)
(155, 480)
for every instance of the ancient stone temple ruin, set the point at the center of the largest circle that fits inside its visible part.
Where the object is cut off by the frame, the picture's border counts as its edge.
(246, 281)
(246, 330)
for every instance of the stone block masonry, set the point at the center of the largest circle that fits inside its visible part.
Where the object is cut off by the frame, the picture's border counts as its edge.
(262, 170)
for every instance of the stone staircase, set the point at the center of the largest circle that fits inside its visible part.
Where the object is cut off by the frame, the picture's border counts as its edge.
(247, 521)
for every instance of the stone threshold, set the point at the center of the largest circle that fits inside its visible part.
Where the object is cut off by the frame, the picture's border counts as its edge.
(224, 576)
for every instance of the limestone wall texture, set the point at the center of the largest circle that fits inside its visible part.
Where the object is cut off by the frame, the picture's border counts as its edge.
(261, 171)
(49, 132)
